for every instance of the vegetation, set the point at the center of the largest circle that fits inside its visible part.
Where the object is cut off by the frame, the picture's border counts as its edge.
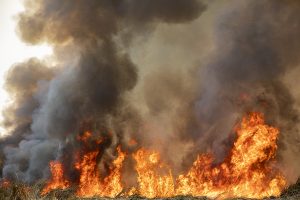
(19, 191)
(293, 190)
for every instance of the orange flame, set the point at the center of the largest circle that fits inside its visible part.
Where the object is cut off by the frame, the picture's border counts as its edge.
(57, 180)
(248, 170)
(5, 183)
(85, 136)
(132, 142)
(152, 182)
(90, 183)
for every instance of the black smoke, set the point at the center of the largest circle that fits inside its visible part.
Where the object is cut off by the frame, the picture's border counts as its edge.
(180, 110)
(256, 44)
(87, 86)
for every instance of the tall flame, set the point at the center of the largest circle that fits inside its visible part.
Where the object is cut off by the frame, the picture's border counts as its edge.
(57, 180)
(248, 170)
(90, 183)
(152, 182)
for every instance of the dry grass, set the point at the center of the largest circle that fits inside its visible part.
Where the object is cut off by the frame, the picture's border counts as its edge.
(19, 191)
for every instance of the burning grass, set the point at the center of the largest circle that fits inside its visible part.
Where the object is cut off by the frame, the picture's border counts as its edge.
(19, 191)
(246, 172)
(249, 170)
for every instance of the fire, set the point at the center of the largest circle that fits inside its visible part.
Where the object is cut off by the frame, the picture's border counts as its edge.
(248, 170)
(84, 138)
(90, 183)
(5, 183)
(152, 182)
(132, 142)
(57, 180)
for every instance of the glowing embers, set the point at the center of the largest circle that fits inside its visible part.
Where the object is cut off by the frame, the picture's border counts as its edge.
(57, 180)
(5, 183)
(247, 171)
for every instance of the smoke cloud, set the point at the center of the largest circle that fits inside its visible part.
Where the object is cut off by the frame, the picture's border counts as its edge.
(175, 75)
(51, 106)
(256, 45)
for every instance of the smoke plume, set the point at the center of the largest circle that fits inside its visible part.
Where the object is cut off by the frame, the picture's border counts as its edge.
(175, 75)
(51, 105)
(256, 45)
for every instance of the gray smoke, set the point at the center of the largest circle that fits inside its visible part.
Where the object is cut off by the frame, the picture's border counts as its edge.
(86, 89)
(244, 67)
(163, 72)
(246, 54)
(257, 43)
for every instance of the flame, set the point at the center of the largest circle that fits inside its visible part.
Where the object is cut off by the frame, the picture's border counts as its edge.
(85, 136)
(5, 183)
(248, 170)
(132, 142)
(90, 183)
(57, 180)
(152, 183)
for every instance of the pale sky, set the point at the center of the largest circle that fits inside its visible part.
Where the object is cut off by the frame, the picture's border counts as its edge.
(12, 49)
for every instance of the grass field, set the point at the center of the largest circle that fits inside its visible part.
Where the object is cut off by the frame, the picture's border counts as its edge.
(23, 192)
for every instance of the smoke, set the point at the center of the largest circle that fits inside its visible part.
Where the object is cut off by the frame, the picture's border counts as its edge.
(256, 44)
(231, 61)
(87, 88)
(245, 56)
(165, 73)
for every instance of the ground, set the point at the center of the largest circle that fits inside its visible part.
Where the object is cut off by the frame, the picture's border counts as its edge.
(23, 192)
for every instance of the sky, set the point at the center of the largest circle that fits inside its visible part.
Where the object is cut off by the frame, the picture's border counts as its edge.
(12, 49)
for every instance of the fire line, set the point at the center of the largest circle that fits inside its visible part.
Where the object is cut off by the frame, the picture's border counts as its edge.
(247, 171)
